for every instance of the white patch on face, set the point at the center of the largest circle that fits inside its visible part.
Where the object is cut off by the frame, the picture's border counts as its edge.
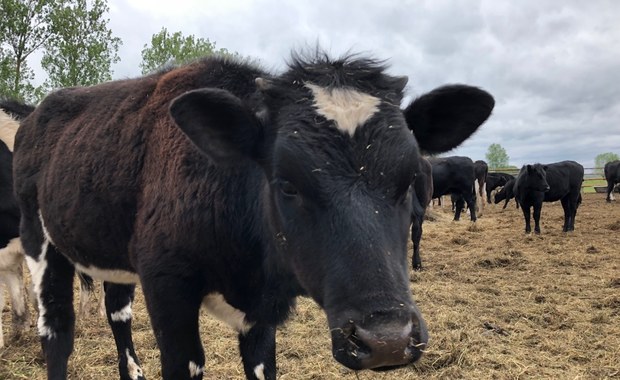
(134, 370)
(194, 369)
(347, 107)
(217, 306)
(259, 371)
(123, 315)
(116, 276)
(8, 129)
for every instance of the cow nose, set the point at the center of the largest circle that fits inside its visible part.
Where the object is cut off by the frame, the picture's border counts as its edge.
(382, 344)
(547, 188)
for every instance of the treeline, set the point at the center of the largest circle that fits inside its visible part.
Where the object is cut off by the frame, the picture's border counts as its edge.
(77, 45)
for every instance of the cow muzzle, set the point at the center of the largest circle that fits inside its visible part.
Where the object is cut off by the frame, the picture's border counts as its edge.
(380, 342)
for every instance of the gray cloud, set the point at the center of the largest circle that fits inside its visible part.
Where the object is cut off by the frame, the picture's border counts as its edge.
(550, 65)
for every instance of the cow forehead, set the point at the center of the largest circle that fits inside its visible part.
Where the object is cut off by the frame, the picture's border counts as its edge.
(347, 107)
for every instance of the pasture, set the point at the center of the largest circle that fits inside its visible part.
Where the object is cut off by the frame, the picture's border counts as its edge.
(498, 303)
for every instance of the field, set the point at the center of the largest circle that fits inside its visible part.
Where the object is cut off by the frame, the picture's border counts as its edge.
(499, 305)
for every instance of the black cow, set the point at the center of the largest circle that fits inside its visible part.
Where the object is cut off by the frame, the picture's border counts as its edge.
(560, 181)
(220, 184)
(481, 169)
(506, 193)
(11, 253)
(422, 195)
(612, 175)
(495, 180)
(455, 175)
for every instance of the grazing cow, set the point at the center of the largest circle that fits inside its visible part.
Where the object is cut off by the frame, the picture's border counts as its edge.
(422, 194)
(219, 184)
(612, 175)
(481, 169)
(560, 181)
(495, 180)
(11, 253)
(455, 175)
(506, 193)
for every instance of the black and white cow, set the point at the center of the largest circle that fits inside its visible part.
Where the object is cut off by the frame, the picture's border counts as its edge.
(495, 180)
(455, 175)
(422, 189)
(11, 251)
(506, 193)
(223, 185)
(481, 169)
(560, 181)
(612, 175)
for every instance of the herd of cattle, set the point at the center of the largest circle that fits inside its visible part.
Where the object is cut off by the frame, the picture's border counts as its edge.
(221, 185)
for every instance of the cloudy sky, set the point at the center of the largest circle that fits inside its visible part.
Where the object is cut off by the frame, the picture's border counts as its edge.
(552, 66)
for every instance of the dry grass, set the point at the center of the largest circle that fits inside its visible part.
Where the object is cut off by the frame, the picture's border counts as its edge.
(499, 305)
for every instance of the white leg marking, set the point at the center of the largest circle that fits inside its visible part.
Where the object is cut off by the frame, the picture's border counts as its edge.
(611, 195)
(347, 107)
(259, 371)
(217, 306)
(37, 270)
(123, 315)
(194, 369)
(134, 370)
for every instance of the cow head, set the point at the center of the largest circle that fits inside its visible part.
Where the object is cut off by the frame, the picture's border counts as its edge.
(535, 178)
(339, 156)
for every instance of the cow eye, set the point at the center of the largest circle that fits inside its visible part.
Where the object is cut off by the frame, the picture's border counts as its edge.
(288, 189)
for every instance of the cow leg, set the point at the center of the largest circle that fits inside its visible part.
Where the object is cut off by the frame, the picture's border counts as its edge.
(471, 204)
(568, 213)
(258, 352)
(526, 216)
(118, 301)
(610, 191)
(505, 203)
(15, 285)
(416, 237)
(52, 275)
(169, 298)
(460, 203)
(537, 209)
(2, 280)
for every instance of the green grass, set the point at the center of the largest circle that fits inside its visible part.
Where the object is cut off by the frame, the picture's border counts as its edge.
(588, 184)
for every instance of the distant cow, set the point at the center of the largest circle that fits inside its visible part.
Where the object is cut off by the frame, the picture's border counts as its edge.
(506, 193)
(422, 195)
(559, 181)
(220, 184)
(11, 251)
(612, 175)
(495, 180)
(455, 175)
(481, 170)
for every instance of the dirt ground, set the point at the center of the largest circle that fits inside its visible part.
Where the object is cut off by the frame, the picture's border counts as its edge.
(499, 304)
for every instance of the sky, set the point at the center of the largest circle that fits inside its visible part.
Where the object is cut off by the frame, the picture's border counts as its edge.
(553, 67)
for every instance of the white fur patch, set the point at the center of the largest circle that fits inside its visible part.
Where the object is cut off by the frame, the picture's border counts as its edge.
(134, 370)
(123, 315)
(116, 276)
(37, 270)
(8, 129)
(611, 195)
(347, 107)
(11, 255)
(194, 369)
(259, 371)
(217, 306)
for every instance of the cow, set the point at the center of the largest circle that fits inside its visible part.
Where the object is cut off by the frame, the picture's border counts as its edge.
(506, 193)
(612, 175)
(217, 183)
(560, 181)
(481, 169)
(422, 189)
(495, 180)
(455, 175)
(11, 253)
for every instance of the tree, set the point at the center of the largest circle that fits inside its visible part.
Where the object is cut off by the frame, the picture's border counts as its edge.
(24, 27)
(167, 48)
(83, 48)
(602, 159)
(497, 157)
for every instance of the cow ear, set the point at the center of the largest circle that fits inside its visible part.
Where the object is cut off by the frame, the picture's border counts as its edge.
(443, 118)
(218, 124)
